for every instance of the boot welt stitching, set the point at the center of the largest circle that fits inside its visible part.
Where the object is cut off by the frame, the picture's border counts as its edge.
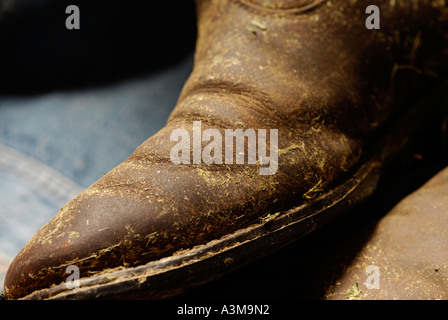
(288, 11)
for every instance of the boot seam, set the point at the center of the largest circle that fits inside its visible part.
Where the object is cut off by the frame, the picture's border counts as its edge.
(285, 12)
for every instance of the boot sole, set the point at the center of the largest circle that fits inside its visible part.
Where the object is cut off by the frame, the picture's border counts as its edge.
(173, 275)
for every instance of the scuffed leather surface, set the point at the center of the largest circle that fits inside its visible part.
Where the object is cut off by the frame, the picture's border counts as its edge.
(409, 246)
(321, 78)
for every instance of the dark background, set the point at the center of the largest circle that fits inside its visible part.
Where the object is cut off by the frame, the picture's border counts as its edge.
(117, 39)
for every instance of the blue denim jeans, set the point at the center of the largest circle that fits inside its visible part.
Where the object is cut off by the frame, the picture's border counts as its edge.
(54, 145)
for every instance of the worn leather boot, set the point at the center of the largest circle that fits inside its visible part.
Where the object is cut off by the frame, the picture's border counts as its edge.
(405, 257)
(337, 101)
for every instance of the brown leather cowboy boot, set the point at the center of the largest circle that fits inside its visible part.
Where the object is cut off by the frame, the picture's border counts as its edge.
(405, 257)
(324, 103)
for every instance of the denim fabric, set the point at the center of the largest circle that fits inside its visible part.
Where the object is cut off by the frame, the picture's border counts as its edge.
(54, 145)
